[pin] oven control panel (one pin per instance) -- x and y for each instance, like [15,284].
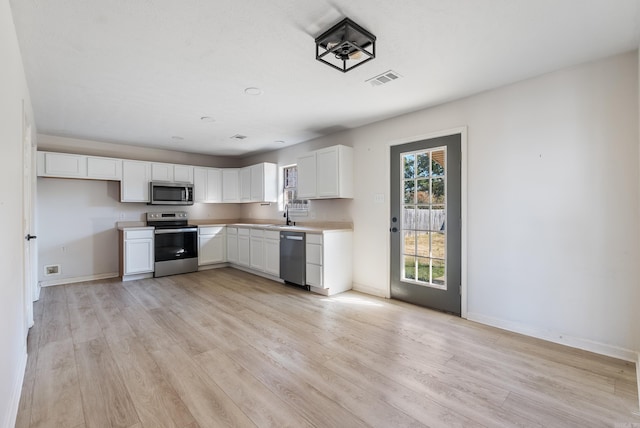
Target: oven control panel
[177,215]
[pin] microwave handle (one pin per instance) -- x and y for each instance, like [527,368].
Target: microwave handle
[186,193]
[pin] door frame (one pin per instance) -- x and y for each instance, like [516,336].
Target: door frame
[462,130]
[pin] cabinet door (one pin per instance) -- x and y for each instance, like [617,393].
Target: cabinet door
[138,256]
[307,176]
[214,185]
[232,246]
[162,172]
[63,165]
[272,256]
[183,173]
[134,186]
[104,168]
[244,251]
[327,173]
[200,184]
[231,185]
[257,183]
[245,184]
[257,253]
[314,275]
[211,249]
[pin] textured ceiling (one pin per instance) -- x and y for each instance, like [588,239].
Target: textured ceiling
[144,72]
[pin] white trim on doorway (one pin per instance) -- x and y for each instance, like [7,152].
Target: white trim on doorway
[462,130]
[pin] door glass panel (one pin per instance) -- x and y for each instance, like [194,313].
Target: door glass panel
[408,218]
[438,274]
[409,264]
[423,164]
[437,189]
[423,270]
[409,243]
[422,217]
[409,166]
[438,216]
[424,213]
[437,245]
[422,244]
[409,191]
[422,194]
[437,163]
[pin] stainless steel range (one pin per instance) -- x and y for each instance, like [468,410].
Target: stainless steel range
[175,243]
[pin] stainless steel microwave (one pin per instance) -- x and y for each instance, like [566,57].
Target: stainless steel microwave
[170,193]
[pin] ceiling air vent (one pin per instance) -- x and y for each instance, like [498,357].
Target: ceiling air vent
[238,137]
[381,79]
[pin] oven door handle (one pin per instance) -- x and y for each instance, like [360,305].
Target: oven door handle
[164,231]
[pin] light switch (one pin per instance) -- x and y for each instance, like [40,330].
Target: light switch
[378,198]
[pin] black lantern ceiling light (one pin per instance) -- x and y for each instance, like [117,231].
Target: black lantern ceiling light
[345,46]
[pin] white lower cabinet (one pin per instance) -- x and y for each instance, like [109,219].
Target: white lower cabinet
[329,267]
[212,246]
[256,258]
[244,247]
[232,244]
[272,252]
[136,252]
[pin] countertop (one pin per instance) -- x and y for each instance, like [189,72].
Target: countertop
[245,223]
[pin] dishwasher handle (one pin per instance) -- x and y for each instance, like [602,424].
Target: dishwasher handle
[293,238]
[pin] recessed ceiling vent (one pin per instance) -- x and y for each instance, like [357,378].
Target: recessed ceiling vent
[381,79]
[238,137]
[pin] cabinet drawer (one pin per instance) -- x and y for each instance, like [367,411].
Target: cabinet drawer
[314,253]
[211,230]
[232,231]
[314,275]
[244,232]
[258,233]
[272,234]
[314,238]
[138,234]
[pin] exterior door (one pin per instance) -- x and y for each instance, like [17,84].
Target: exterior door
[426,223]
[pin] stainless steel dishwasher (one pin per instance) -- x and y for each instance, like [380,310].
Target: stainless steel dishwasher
[292,258]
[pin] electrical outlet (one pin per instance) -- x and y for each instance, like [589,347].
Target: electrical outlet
[52,270]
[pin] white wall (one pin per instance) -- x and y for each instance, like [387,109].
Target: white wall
[553,202]
[52,143]
[77,225]
[13,92]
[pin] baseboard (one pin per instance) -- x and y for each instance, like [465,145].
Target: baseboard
[370,290]
[555,337]
[213,266]
[61,281]
[12,413]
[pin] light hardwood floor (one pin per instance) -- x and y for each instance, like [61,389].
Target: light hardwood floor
[226,348]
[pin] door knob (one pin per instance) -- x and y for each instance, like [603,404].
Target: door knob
[29,237]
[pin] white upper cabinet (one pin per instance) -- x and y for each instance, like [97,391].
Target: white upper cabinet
[171,172]
[134,186]
[65,165]
[62,165]
[326,173]
[255,183]
[231,185]
[245,184]
[104,168]
[264,182]
[307,176]
[183,173]
[207,184]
